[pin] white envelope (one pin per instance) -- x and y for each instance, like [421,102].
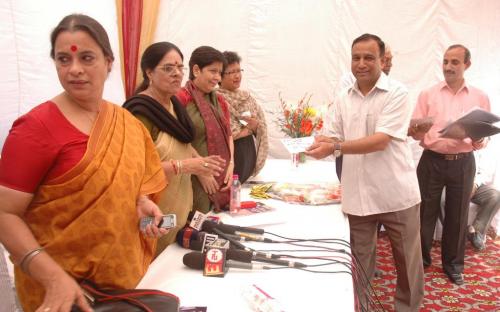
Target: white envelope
[297,145]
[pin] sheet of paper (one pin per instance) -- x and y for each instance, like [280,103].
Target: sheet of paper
[297,145]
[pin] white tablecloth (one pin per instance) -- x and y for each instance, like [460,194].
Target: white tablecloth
[295,290]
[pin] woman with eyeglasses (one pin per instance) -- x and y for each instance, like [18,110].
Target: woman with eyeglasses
[210,115]
[172,131]
[248,123]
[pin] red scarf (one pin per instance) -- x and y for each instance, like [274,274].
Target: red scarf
[217,133]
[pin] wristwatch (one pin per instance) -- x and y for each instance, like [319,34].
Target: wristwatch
[337,150]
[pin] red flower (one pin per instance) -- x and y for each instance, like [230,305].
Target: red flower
[306,127]
[320,125]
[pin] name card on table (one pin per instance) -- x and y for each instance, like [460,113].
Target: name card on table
[297,145]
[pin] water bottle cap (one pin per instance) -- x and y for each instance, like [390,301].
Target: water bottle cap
[235,177]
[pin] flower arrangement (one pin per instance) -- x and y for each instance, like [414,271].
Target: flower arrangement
[300,120]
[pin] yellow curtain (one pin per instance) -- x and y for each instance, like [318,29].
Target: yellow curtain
[150,10]
[119,10]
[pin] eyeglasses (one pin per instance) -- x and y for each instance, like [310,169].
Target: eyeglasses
[214,72]
[234,72]
[170,68]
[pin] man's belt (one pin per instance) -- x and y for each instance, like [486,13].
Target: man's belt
[448,156]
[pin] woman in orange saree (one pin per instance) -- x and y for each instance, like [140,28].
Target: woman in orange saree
[76,175]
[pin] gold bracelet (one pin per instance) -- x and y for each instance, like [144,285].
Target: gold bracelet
[179,163]
[27,258]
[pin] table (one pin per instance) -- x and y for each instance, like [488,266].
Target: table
[294,290]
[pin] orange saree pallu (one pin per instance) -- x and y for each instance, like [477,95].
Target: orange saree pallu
[87,219]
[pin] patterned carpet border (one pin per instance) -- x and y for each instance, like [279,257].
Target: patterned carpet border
[479,293]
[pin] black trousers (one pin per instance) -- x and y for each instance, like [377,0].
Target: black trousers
[434,173]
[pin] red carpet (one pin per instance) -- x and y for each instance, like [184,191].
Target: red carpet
[480,292]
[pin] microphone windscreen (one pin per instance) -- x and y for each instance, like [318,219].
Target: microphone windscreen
[194,260]
[208,226]
[196,245]
[239,255]
[188,238]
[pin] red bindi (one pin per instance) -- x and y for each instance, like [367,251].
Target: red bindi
[73,48]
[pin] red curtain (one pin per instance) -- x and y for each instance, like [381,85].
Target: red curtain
[131,35]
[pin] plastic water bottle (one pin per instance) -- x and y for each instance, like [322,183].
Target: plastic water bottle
[235,204]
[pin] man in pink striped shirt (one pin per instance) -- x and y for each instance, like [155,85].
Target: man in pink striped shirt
[447,162]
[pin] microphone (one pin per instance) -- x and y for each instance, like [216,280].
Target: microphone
[192,239]
[196,260]
[248,237]
[210,228]
[231,229]
[248,257]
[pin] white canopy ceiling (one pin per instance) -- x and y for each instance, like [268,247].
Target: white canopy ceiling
[292,47]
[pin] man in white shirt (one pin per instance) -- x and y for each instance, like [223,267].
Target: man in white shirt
[348,79]
[370,123]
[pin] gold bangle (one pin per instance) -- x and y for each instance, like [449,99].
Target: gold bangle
[27,258]
[179,162]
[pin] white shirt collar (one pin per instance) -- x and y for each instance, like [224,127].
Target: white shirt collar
[381,84]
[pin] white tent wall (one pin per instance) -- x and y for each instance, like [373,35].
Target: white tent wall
[28,76]
[293,47]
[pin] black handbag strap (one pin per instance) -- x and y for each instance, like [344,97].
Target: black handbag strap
[103,296]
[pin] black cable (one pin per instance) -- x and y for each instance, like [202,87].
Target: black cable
[361,281]
[289,239]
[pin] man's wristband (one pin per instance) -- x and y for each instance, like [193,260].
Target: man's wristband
[337,149]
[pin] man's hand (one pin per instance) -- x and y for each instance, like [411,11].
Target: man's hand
[479,144]
[322,147]
[419,127]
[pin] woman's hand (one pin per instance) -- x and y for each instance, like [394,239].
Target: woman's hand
[61,292]
[145,208]
[228,179]
[208,166]
[252,123]
[209,184]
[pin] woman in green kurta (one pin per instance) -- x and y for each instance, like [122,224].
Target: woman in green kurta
[172,131]
[210,115]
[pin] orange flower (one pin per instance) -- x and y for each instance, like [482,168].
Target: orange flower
[320,125]
[300,120]
[306,127]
